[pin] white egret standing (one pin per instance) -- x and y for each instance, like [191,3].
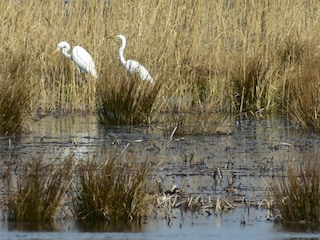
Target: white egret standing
[79,56]
[132,66]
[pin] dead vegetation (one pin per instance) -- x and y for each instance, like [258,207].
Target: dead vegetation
[208,59]
[214,56]
[297,194]
[113,190]
[119,188]
[35,190]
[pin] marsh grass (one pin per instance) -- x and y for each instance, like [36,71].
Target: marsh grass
[114,190]
[297,195]
[15,94]
[249,83]
[248,55]
[128,101]
[39,190]
[117,189]
[303,94]
[13,107]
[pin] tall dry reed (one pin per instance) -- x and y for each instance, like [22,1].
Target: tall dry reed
[230,56]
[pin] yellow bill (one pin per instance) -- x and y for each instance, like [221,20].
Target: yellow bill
[55,51]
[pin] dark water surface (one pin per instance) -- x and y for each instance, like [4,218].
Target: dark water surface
[257,151]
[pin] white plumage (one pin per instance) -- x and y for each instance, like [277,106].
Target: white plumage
[79,56]
[132,66]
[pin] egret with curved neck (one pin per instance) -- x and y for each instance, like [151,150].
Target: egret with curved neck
[79,56]
[132,66]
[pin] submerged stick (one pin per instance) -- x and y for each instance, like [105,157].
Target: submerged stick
[173,132]
[125,148]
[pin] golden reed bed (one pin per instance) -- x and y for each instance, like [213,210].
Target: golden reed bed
[206,56]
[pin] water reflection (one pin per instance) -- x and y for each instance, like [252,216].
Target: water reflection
[248,159]
[81,226]
[300,227]
[36,227]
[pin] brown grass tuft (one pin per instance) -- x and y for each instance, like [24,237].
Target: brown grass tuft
[249,81]
[39,190]
[303,87]
[297,195]
[15,96]
[114,190]
[128,101]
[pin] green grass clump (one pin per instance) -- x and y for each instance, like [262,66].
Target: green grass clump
[114,190]
[297,196]
[39,190]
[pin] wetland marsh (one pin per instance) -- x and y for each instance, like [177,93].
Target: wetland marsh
[206,127]
[248,159]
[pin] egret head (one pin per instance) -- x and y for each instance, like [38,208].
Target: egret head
[120,37]
[62,45]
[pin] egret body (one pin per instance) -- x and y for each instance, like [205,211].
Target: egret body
[132,66]
[79,56]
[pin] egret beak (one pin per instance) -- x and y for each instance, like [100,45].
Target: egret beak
[55,51]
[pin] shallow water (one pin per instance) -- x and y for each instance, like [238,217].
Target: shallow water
[248,158]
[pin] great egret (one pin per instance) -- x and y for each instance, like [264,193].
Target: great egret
[79,56]
[132,66]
